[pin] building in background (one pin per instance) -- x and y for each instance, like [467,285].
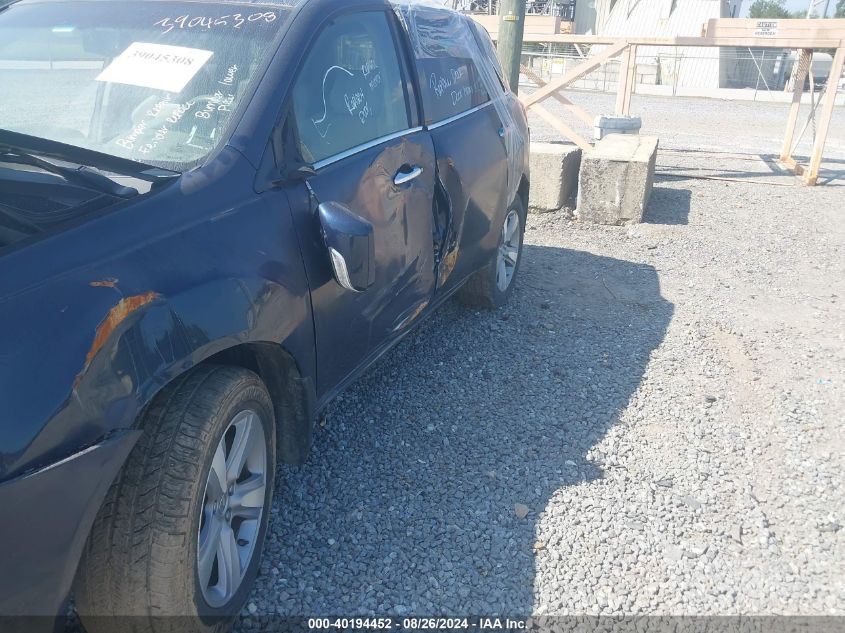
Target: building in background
[660,18]
[681,66]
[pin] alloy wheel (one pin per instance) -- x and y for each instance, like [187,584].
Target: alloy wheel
[509,244]
[233,506]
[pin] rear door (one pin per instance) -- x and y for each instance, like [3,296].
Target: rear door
[355,122]
[468,137]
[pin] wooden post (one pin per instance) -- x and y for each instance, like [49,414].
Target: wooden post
[632,80]
[511,32]
[798,76]
[828,102]
[627,78]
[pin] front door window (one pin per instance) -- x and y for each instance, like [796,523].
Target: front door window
[350,89]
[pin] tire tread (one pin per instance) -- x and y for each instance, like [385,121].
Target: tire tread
[127,567]
[480,289]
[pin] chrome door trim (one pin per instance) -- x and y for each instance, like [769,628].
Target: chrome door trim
[363,147]
[320,164]
[457,117]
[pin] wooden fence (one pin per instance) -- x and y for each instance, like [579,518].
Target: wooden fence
[804,35]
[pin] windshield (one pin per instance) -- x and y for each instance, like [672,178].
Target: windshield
[155,82]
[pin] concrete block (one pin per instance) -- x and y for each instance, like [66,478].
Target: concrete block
[616,179]
[554,175]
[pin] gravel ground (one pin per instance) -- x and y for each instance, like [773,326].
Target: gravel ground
[653,425]
[690,123]
[710,137]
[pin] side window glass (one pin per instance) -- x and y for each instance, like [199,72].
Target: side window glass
[489,50]
[450,86]
[350,90]
[445,49]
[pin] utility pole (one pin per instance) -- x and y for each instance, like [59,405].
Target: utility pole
[812,6]
[511,32]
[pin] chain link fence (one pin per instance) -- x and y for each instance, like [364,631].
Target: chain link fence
[564,9]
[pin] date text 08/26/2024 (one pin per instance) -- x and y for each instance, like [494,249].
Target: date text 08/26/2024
[417,624]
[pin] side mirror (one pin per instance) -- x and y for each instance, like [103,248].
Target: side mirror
[349,239]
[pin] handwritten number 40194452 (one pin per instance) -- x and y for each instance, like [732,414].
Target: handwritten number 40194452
[235,21]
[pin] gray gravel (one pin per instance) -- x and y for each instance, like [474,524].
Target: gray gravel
[653,425]
[705,124]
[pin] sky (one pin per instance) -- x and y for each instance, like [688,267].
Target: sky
[795,5]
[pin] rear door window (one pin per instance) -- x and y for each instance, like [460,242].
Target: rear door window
[450,86]
[488,49]
[445,49]
[350,90]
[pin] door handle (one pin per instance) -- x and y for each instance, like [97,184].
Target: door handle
[403,177]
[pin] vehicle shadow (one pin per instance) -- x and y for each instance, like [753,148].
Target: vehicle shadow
[668,206]
[407,503]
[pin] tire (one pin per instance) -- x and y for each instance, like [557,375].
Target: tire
[484,288]
[141,558]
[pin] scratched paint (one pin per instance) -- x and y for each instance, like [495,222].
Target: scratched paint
[117,315]
[448,265]
[104,283]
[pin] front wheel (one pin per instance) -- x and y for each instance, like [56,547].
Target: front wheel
[182,527]
[491,287]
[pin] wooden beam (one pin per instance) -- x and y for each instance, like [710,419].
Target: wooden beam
[622,86]
[740,42]
[632,79]
[627,79]
[828,101]
[802,68]
[575,73]
[562,127]
[794,165]
[575,109]
[768,28]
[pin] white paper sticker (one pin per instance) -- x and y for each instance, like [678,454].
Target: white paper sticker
[766,28]
[156,66]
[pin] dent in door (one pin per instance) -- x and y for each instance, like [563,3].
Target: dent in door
[473,168]
[399,215]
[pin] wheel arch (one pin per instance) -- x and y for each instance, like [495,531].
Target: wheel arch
[293,399]
[198,330]
[524,191]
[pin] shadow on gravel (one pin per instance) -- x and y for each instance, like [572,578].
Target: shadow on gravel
[668,206]
[831,172]
[764,169]
[407,503]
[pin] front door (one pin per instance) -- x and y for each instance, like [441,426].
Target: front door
[355,124]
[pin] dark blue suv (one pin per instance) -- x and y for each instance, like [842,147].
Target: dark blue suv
[213,217]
